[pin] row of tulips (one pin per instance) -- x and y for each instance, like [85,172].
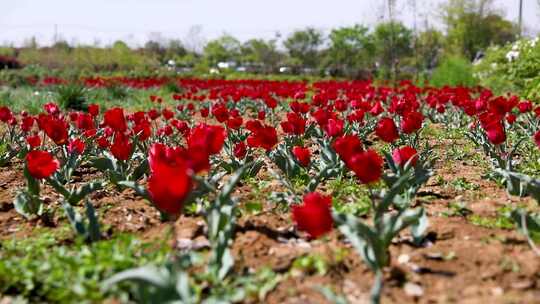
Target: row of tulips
[200,144]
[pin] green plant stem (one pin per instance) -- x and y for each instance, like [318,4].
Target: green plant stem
[527,235]
[377,287]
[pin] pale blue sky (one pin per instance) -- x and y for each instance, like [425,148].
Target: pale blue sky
[137,20]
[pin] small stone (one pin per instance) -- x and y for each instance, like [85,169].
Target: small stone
[446,235]
[413,290]
[434,256]
[304,245]
[497,291]
[184,243]
[403,259]
[522,285]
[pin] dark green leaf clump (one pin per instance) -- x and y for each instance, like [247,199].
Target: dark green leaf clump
[72,97]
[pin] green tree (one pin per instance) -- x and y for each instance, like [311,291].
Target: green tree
[393,42]
[474,25]
[155,49]
[176,48]
[429,44]
[351,51]
[259,51]
[221,49]
[303,47]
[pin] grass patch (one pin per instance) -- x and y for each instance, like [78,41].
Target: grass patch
[40,269]
[350,197]
[501,221]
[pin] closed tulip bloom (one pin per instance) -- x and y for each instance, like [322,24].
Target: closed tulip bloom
[303,155]
[76,146]
[207,137]
[537,139]
[386,130]
[240,150]
[402,155]
[367,166]
[314,215]
[115,119]
[334,127]
[495,132]
[411,122]
[347,146]
[41,164]
[262,136]
[169,183]
[121,147]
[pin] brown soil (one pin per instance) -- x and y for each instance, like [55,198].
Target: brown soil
[461,263]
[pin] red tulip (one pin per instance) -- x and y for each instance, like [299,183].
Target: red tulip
[55,128]
[114,118]
[143,130]
[270,102]
[5,114]
[511,118]
[537,139]
[495,132]
[90,133]
[27,123]
[356,116]
[314,215]
[402,155]
[76,146]
[411,122]
[165,131]
[294,124]
[207,137]
[261,135]
[153,114]
[347,146]
[167,114]
[205,112]
[103,142]
[376,109]
[33,141]
[537,111]
[240,150]
[303,155]
[85,121]
[220,112]
[367,166]
[73,116]
[525,106]
[182,127]
[386,130]
[93,110]
[41,164]
[121,147]
[235,123]
[169,183]
[51,108]
[334,127]
[299,107]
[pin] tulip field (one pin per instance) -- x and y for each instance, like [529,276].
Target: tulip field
[261,191]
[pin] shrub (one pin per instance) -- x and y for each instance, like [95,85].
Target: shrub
[453,71]
[514,67]
[72,97]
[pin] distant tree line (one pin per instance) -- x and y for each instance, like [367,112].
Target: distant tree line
[388,50]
